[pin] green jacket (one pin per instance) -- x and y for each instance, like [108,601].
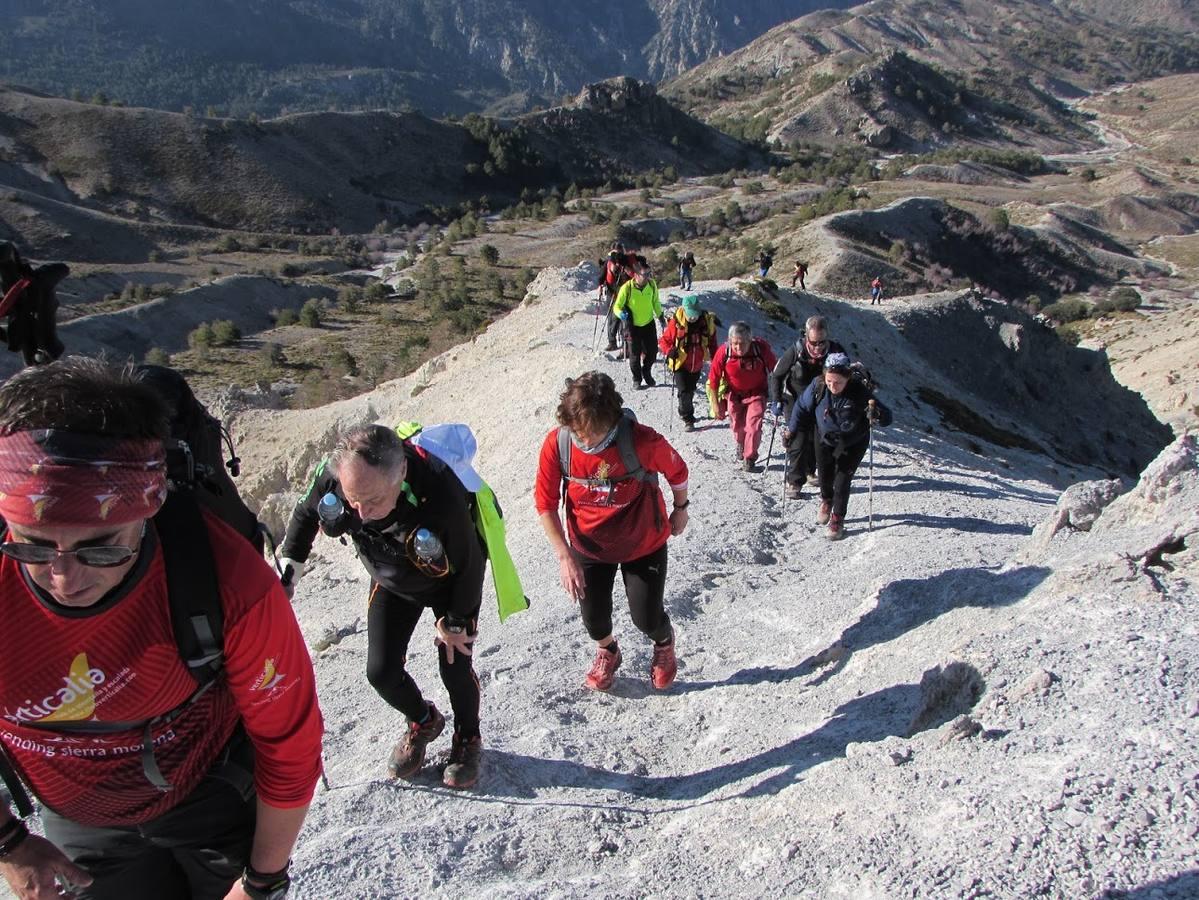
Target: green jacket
[642,303]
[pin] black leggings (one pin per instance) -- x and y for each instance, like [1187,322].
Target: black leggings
[836,468]
[390,621]
[643,350]
[194,850]
[685,384]
[644,584]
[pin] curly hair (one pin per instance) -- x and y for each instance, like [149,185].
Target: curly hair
[590,402]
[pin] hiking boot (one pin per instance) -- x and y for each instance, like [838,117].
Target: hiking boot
[649,380]
[409,754]
[603,670]
[794,491]
[826,509]
[836,527]
[610,348]
[462,769]
[664,666]
[688,426]
[639,386]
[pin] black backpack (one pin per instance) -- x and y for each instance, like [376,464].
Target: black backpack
[198,478]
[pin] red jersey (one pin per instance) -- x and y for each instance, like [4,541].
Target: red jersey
[745,375]
[612,521]
[118,662]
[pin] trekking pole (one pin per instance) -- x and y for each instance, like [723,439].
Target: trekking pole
[670,408]
[770,447]
[870,439]
[599,304]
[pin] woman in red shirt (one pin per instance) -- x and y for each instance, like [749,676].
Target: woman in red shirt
[615,517]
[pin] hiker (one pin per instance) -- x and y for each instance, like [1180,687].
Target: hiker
[686,266]
[876,291]
[149,786]
[615,270]
[800,273]
[615,518]
[764,261]
[838,406]
[802,361]
[738,379]
[29,305]
[409,517]
[688,339]
[638,305]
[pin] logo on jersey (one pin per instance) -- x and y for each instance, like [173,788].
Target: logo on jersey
[270,677]
[75,701]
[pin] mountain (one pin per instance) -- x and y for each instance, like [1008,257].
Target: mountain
[912,74]
[441,56]
[72,167]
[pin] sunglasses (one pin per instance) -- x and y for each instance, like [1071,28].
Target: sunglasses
[102,557]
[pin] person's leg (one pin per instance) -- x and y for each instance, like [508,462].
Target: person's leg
[685,384]
[825,467]
[755,412]
[645,586]
[123,864]
[390,621]
[595,606]
[462,684]
[736,412]
[847,463]
[611,322]
[647,349]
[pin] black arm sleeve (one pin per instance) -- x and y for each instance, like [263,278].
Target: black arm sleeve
[779,374]
[304,524]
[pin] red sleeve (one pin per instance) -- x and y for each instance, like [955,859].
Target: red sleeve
[548,491]
[666,342]
[717,367]
[657,455]
[270,676]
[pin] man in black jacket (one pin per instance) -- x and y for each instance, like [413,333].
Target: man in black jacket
[794,371]
[409,517]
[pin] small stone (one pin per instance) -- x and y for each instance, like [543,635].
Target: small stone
[1192,708]
[1074,817]
[1037,682]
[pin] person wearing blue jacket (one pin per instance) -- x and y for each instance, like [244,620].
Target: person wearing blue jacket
[842,409]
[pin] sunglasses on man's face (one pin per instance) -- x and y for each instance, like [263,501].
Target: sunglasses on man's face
[99,557]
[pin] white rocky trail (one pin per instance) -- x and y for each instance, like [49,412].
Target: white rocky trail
[813,745]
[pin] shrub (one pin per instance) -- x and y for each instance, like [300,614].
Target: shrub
[1088,174]
[224,333]
[156,356]
[200,337]
[489,254]
[286,317]
[1124,299]
[310,313]
[272,354]
[998,219]
[1069,334]
[1068,310]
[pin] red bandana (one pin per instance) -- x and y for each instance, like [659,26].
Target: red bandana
[51,477]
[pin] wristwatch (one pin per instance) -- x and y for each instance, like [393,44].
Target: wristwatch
[454,625]
[276,887]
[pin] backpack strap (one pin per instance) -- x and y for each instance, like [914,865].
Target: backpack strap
[192,589]
[628,453]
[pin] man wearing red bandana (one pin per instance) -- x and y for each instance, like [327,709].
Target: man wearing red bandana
[205,791]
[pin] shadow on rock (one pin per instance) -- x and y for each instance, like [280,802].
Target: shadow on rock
[1183,886]
[865,719]
[967,524]
[902,606]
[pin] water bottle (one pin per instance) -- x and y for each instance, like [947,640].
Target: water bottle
[332,514]
[430,552]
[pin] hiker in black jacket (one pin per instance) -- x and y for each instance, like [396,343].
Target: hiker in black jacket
[842,409]
[794,371]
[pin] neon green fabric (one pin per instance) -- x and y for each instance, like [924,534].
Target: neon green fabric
[509,594]
[642,302]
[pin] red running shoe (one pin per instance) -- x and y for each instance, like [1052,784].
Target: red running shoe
[603,670]
[665,665]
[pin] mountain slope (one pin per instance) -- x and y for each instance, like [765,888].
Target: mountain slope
[1004,58]
[272,56]
[318,171]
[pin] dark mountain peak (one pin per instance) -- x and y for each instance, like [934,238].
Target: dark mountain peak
[615,94]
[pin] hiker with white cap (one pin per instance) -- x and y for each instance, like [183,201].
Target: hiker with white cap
[406,507]
[688,339]
[842,408]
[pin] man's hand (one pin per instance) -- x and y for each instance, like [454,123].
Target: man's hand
[678,521]
[290,573]
[776,408]
[457,639]
[31,869]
